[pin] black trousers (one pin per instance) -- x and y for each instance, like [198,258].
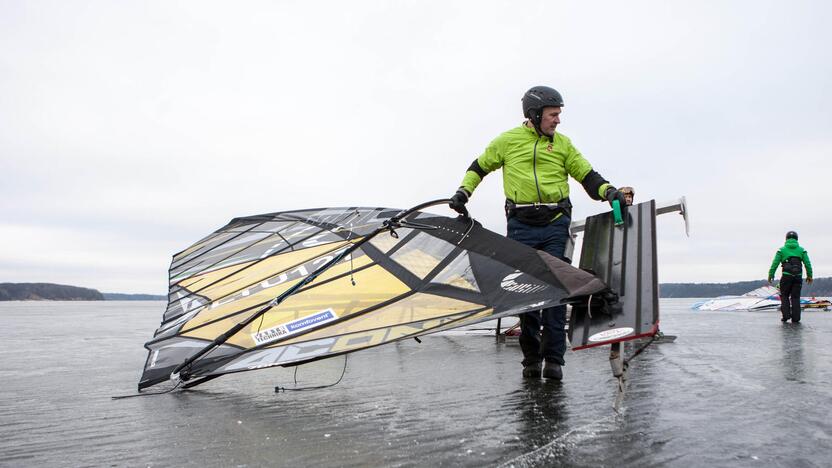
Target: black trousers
[552,240]
[790,297]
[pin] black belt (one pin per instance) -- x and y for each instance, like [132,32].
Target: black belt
[538,214]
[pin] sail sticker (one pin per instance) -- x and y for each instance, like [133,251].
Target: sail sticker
[271,334]
[607,335]
[509,284]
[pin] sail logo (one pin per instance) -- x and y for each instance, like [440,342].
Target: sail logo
[297,273]
[607,335]
[274,333]
[510,283]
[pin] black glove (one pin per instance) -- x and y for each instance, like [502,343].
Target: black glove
[458,201]
[613,193]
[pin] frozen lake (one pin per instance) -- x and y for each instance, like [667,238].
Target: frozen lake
[735,389]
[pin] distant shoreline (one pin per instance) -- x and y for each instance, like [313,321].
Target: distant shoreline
[822,287]
[133,297]
[62,292]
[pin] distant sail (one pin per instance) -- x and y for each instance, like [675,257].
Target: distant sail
[348,279]
[762,298]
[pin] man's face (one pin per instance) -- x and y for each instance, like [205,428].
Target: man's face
[549,120]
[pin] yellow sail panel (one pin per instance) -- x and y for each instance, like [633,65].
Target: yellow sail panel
[247,274]
[263,292]
[210,332]
[235,304]
[416,308]
[373,286]
[366,339]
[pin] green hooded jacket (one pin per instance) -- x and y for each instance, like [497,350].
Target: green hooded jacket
[535,168]
[790,249]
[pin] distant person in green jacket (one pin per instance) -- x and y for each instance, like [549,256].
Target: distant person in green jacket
[537,163]
[792,257]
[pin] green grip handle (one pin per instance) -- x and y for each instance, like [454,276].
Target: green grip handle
[616,212]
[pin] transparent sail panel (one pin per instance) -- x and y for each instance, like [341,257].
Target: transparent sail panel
[422,254]
[459,274]
[385,242]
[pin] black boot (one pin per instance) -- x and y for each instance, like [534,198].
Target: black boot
[552,370]
[532,371]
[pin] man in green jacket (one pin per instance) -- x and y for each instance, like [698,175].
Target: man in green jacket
[536,163]
[792,257]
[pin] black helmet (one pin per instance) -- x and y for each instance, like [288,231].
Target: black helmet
[791,235]
[535,100]
[539,97]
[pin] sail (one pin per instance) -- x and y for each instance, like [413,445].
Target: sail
[347,279]
[763,298]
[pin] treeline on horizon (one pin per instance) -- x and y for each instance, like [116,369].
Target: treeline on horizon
[62,292]
[820,287]
[58,292]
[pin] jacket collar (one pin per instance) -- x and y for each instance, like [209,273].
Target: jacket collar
[532,132]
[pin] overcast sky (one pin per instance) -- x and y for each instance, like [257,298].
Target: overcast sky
[129,130]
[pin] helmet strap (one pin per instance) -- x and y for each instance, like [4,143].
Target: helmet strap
[535,118]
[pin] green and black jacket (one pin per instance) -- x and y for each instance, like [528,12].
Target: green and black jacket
[789,250]
[535,168]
